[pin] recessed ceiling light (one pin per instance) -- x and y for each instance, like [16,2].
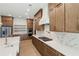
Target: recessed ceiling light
[9,15]
[26,13]
[20,16]
[28,10]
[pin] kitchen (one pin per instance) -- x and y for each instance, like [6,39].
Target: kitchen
[48,30]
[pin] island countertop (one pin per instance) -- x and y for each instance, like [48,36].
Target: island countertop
[12,47]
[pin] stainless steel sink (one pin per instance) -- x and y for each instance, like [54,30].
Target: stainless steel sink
[45,38]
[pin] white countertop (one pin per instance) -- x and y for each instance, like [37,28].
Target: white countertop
[12,47]
[64,49]
[8,51]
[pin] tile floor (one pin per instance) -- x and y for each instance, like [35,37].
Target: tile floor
[27,49]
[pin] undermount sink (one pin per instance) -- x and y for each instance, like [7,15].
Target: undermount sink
[45,38]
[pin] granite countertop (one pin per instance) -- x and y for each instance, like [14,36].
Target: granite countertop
[64,49]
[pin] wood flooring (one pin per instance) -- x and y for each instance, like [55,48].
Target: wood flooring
[28,49]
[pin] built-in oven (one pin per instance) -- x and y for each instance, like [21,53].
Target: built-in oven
[30,31]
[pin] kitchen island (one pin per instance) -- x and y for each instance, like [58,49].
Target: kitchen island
[12,46]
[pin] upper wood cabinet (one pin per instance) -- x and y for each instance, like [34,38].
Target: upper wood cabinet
[64,17]
[59,17]
[52,15]
[72,17]
[30,23]
[56,15]
[38,17]
[52,18]
[52,5]
[7,20]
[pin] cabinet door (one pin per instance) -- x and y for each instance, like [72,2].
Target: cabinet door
[52,15]
[40,46]
[50,51]
[30,23]
[71,11]
[7,21]
[34,41]
[52,19]
[60,17]
[77,6]
[52,5]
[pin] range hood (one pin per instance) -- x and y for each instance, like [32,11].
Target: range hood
[45,16]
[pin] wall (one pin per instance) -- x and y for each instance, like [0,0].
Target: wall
[46,27]
[19,26]
[19,21]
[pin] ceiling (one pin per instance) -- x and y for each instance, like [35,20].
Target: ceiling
[20,10]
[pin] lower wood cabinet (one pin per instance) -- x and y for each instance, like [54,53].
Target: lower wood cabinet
[44,49]
[52,52]
[39,45]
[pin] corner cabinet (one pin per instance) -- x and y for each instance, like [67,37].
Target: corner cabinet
[44,49]
[64,17]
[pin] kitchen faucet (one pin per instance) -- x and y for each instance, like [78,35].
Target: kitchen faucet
[5,36]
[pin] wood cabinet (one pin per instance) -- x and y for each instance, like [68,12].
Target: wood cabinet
[52,5]
[59,18]
[39,45]
[52,18]
[38,17]
[30,23]
[72,17]
[50,52]
[52,15]
[7,20]
[56,15]
[44,49]
[64,17]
